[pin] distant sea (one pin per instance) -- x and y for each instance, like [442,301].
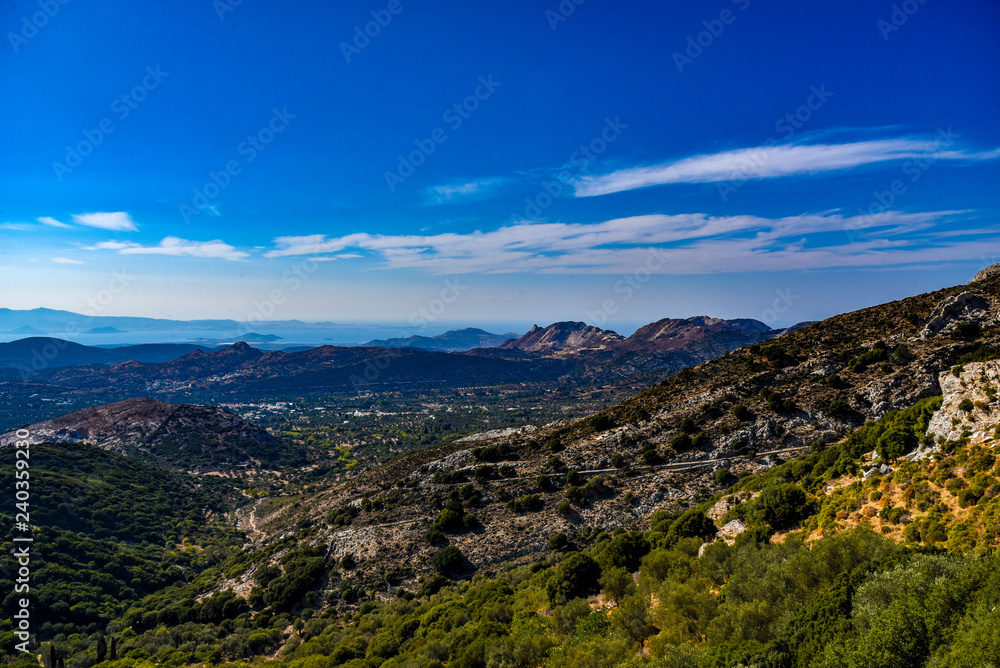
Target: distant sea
[338,335]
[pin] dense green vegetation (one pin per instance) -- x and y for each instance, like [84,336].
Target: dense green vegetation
[110,530]
[855,599]
[852,598]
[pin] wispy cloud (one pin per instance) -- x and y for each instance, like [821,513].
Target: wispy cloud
[18,227]
[461,191]
[52,222]
[174,246]
[66,260]
[117,221]
[333,258]
[765,162]
[686,244]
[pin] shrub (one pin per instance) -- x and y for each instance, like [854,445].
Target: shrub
[895,442]
[681,442]
[966,405]
[783,505]
[625,550]
[724,478]
[692,524]
[448,519]
[576,576]
[574,494]
[602,422]
[741,412]
[526,503]
[966,330]
[558,541]
[447,560]
[866,359]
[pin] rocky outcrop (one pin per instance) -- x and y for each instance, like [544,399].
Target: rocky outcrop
[988,272]
[966,307]
[971,402]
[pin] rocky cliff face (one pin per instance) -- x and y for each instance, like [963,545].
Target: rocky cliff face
[971,402]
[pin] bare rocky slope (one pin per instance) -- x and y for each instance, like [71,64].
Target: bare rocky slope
[565,336]
[174,436]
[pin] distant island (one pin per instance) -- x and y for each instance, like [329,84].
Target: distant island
[455,340]
[27,329]
[105,330]
[249,337]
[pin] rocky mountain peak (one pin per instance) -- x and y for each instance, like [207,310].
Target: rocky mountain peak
[988,272]
[565,336]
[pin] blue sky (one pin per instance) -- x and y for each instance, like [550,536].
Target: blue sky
[530,161]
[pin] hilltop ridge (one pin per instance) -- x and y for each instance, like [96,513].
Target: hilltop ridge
[174,436]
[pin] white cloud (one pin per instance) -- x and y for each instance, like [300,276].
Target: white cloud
[117,221]
[19,227]
[333,258]
[686,243]
[174,246]
[775,161]
[111,245]
[66,260]
[47,220]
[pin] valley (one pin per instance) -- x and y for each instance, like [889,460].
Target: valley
[294,509]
